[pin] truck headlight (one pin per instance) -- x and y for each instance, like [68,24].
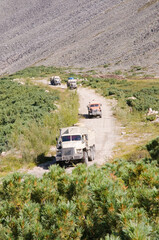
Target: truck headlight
[79,151]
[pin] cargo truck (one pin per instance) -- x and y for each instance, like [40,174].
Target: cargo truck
[55,80]
[72,83]
[75,144]
[94,109]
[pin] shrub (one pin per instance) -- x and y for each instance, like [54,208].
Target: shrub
[146,94]
[39,71]
[34,139]
[117,201]
[20,105]
[151,117]
[153,148]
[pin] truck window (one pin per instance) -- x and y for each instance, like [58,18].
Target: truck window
[76,137]
[94,105]
[66,138]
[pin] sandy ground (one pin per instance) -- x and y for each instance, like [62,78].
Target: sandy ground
[106,129]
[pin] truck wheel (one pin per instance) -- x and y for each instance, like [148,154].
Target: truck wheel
[94,152]
[61,164]
[85,157]
[91,156]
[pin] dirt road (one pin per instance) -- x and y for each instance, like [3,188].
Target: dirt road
[106,129]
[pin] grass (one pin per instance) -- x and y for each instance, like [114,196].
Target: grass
[131,144]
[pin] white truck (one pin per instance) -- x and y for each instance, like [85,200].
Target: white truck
[74,144]
[72,83]
[55,80]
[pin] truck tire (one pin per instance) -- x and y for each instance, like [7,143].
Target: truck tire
[94,150]
[61,164]
[85,157]
[91,155]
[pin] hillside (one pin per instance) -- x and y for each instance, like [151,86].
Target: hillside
[79,33]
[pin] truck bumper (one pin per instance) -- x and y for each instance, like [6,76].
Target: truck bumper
[95,113]
[68,158]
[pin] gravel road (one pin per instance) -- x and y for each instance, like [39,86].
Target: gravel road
[106,129]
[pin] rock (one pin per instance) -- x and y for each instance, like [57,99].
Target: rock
[133,98]
[3,154]
[123,133]
[152,112]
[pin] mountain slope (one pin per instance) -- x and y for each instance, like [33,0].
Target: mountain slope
[79,33]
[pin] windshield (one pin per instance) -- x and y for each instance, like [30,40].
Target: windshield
[71,138]
[94,105]
[66,138]
[76,138]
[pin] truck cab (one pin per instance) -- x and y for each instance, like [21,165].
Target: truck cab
[94,109]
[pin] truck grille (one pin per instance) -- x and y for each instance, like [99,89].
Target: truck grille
[67,151]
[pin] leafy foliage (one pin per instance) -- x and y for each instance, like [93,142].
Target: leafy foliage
[38,71]
[117,201]
[153,148]
[21,104]
[145,95]
[34,140]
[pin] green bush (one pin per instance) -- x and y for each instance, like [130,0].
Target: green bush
[34,139]
[39,71]
[153,148]
[151,117]
[20,105]
[117,201]
[146,95]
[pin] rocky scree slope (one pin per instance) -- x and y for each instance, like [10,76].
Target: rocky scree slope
[79,33]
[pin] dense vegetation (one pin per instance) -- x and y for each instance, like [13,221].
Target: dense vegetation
[32,72]
[20,105]
[40,72]
[30,116]
[145,93]
[117,201]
